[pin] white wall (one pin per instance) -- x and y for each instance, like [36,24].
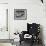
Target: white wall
[3,1]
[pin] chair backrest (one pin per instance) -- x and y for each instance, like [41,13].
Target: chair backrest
[33,28]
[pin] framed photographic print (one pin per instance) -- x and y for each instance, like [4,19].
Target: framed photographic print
[20,14]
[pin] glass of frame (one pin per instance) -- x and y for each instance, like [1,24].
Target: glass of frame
[20,14]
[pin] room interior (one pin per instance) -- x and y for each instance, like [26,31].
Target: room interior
[16,15]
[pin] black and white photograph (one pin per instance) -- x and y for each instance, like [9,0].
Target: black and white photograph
[22,22]
[20,14]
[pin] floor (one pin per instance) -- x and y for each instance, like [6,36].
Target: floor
[5,44]
[26,44]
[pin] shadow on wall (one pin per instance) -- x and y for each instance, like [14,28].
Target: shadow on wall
[41,34]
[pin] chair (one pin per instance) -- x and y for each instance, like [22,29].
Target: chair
[33,30]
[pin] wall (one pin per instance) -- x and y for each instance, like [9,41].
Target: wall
[3,1]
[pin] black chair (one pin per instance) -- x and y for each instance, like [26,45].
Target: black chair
[32,29]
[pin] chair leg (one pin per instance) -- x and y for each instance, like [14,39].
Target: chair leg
[32,42]
[20,42]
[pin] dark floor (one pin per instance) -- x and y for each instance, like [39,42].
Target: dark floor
[27,44]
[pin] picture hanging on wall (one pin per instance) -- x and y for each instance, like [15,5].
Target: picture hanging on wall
[20,14]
